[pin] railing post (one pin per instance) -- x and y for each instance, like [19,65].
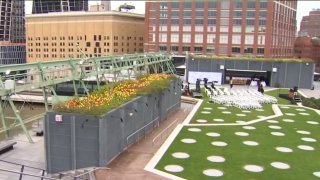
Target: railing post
[22,168]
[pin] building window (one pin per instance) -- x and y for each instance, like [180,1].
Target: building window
[263,14]
[199,29]
[174,28]
[223,39]
[225,4]
[249,39]
[263,5]
[212,13]
[187,13]
[260,50]
[236,39]
[174,21]
[187,5]
[211,29]
[223,50]
[198,38]
[250,22]
[162,37]
[211,22]
[248,50]
[251,14]
[250,29]
[163,48]
[235,49]
[236,28]
[175,14]
[186,38]
[175,38]
[261,40]
[199,21]
[237,22]
[211,38]
[224,28]
[224,22]
[212,4]
[199,4]
[251,4]
[162,28]
[187,21]
[238,4]
[224,13]
[199,14]
[186,28]
[175,5]
[186,48]
[197,49]
[174,48]
[262,22]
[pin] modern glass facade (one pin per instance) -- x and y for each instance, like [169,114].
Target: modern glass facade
[222,27]
[12,32]
[46,6]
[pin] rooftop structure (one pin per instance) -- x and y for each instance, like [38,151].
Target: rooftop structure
[46,6]
[12,32]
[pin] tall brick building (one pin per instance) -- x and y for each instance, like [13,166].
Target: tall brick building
[310,25]
[218,27]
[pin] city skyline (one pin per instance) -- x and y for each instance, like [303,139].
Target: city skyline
[304,7]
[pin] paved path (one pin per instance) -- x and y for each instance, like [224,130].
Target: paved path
[130,164]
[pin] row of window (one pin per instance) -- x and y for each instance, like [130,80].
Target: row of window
[95,38]
[223,13]
[247,50]
[97,52]
[223,21]
[235,29]
[211,38]
[250,4]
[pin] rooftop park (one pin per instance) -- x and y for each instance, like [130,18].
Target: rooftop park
[279,141]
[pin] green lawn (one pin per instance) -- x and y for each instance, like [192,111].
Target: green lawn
[296,120]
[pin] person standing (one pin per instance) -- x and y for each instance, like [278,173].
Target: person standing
[231,83]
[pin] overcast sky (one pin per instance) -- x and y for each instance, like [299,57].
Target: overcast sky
[303,7]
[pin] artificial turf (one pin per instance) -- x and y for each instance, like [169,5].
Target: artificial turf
[303,163]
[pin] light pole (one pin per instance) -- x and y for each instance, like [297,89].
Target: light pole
[187,67]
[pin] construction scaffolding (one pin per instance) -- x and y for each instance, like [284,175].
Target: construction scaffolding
[43,75]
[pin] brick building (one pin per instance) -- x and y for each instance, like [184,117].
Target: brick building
[307,47]
[217,27]
[56,36]
[310,25]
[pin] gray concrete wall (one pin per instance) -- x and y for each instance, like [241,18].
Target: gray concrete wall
[288,75]
[81,141]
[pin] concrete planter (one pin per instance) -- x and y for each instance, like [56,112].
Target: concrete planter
[79,141]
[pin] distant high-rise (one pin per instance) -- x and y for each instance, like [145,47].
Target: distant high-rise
[310,24]
[12,32]
[106,4]
[46,6]
[222,27]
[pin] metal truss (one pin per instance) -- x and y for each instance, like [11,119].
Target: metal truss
[43,75]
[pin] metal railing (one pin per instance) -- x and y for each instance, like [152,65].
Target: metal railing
[164,131]
[22,168]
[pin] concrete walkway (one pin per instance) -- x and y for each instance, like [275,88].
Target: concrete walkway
[130,164]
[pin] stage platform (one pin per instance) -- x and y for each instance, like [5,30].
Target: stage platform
[197,95]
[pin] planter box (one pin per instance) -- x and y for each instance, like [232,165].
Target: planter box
[74,141]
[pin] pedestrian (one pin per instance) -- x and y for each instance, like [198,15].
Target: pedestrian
[231,83]
[261,88]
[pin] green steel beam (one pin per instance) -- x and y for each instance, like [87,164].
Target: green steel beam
[46,74]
